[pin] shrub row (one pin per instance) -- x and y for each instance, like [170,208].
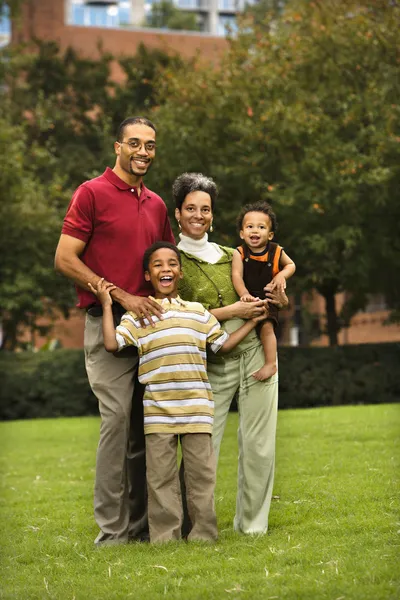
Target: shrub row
[44,384]
[359,374]
[52,384]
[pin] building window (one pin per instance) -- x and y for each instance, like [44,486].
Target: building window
[124,13]
[187,4]
[229,5]
[5,26]
[226,22]
[78,14]
[98,16]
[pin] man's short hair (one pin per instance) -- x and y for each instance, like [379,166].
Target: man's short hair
[157,246]
[133,121]
[260,206]
[187,183]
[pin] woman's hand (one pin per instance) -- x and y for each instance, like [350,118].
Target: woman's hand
[276,296]
[250,310]
[278,282]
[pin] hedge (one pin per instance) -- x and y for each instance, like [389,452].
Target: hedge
[359,374]
[52,384]
[44,384]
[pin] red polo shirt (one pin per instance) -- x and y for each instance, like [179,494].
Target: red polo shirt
[117,227]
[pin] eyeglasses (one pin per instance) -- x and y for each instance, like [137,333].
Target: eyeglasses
[135,144]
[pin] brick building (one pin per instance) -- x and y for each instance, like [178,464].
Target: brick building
[50,20]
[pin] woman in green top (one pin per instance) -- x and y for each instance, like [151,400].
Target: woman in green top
[207,279]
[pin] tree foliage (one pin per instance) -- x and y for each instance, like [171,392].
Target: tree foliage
[264,11]
[13,6]
[305,114]
[73,105]
[138,92]
[29,229]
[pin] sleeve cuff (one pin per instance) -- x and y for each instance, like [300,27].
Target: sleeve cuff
[120,341]
[219,342]
[79,235]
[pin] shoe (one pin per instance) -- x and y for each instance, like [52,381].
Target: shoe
[142,537]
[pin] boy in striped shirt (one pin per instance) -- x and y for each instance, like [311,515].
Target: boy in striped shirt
[178,398]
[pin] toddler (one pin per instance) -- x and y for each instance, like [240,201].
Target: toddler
[258,263]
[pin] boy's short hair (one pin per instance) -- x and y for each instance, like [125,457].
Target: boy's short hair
[157,246]
[187,183]
[260,206]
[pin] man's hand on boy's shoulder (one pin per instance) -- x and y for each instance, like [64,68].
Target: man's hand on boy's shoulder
[144,307]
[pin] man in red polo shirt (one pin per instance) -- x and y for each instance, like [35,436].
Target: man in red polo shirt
[110,222]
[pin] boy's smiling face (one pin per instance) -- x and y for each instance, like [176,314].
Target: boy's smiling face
[164,273]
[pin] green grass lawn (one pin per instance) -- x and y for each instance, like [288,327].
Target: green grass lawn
[334,523]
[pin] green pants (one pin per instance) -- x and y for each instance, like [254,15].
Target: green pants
[258,405]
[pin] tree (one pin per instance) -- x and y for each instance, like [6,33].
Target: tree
[138,94]
[29,229]
[306,116]
[48,141]
[76,110]
[264,10]
[59,98]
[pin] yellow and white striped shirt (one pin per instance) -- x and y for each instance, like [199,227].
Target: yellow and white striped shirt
[172,365]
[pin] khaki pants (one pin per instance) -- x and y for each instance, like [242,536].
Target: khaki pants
[165,502]
[120,498]
[257,404]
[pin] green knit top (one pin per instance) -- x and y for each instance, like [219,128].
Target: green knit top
[211,285]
